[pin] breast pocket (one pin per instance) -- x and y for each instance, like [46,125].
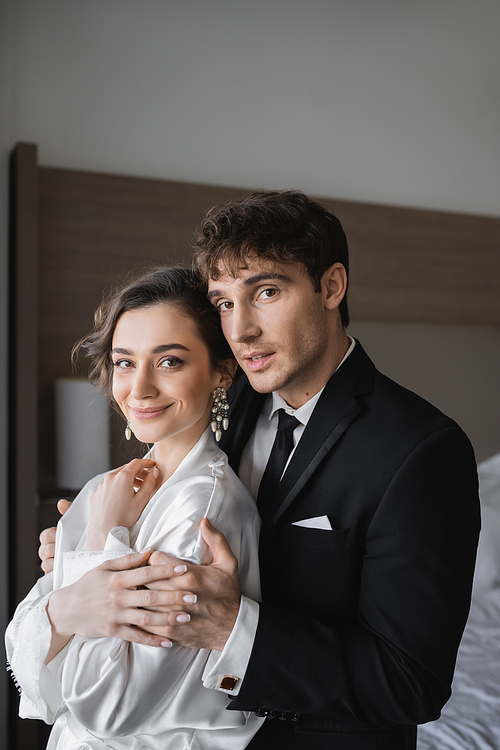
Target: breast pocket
[300,537]
[308,569]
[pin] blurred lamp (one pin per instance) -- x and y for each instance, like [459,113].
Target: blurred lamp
[82,431]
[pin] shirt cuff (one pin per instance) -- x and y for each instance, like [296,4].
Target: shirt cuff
[226,669]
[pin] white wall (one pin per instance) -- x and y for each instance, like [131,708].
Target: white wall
[387,101]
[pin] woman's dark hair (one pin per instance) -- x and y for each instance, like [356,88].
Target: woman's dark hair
[277,227]
[175,285]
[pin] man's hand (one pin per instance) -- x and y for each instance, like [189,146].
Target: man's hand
[48,539]
[208,621]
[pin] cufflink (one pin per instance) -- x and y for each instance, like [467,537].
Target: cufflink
[228,682]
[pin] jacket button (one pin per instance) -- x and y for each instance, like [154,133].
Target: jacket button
[273,714]
[261,712]
[296,717]
[284,715]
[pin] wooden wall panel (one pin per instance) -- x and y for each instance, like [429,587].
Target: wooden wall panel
[415,265]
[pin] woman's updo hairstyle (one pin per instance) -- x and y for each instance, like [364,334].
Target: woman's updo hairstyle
[174,285]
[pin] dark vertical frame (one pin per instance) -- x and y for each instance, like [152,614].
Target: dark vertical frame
[23,404]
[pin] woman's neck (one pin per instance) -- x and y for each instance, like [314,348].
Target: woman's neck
[170,453]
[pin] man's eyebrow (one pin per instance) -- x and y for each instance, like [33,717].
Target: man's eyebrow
[157,350]
[256,279]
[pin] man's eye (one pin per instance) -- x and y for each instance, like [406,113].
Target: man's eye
[268,293]
[225,306]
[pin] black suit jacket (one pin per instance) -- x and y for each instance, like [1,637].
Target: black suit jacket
[359,626]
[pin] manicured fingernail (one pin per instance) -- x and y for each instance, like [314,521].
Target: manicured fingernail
[180,568]
[190,598]
[155,472]
[166,644]
[146,549]
[183,618]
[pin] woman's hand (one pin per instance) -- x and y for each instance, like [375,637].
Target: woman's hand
[111,600]
[120,499]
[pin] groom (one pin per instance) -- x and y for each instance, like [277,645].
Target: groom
[368,498]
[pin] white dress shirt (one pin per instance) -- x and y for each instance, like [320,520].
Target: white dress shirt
[236,653]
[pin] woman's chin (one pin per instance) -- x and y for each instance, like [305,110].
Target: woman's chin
[146,436]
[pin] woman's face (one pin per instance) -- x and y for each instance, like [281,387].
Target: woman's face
[162,375]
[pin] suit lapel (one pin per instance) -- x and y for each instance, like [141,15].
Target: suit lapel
[336,409]
[333,414]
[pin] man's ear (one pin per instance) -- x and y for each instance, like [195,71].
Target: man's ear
[226,373]
[334,285]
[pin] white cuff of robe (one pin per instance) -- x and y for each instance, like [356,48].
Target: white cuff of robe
[49,693]
[76,564]
[232,662]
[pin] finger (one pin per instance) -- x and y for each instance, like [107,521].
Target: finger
[158,623]
[45,551]
[116,471]
[48,565]
[148,484]
[135,635]
[145,576]
[157,600]
[133,572]
[221,551]
[163,558]
[63,505]
[48,536]
[137,465]
[132,561]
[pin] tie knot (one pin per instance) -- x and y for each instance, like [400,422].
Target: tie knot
[286,422]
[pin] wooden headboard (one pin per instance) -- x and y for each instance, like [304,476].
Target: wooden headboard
[74,232]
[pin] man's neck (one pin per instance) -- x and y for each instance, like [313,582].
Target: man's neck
[297,394]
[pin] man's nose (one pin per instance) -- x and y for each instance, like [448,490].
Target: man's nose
[244,325]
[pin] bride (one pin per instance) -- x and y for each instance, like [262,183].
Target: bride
[157,349]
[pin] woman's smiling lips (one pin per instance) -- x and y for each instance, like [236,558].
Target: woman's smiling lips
[149,413]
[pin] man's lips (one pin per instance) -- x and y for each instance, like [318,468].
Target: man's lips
[149,413]
[256,360]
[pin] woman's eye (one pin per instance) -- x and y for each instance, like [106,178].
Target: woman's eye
[122,364]
[225,306]
[170,362]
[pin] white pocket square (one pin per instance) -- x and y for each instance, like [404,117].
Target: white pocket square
[320,522]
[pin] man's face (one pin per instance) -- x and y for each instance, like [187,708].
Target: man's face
[275,324]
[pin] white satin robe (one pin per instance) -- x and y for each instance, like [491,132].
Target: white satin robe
[108,693]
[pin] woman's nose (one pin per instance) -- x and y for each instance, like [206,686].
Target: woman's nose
[144,384]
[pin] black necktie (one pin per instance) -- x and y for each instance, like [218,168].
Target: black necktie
[269,498]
